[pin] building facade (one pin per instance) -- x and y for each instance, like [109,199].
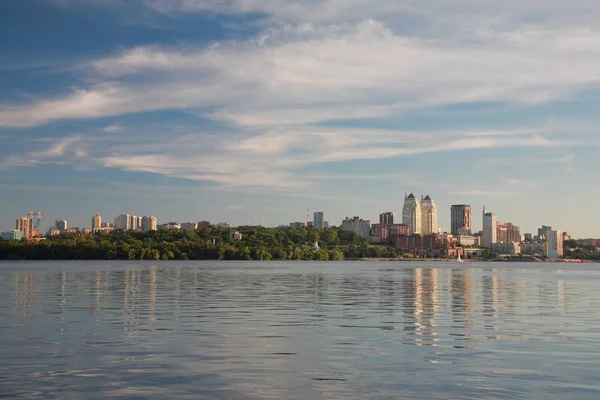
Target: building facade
[489,229]
[429,216]
[12,235]
[356,224]
[148,223]
[461,222]
[61,225]
[411,213]
[189,226]
[319,220]
[386,218]
[506,233]
[25,225]
[96,223]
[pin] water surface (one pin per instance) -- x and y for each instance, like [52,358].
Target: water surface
[276,330]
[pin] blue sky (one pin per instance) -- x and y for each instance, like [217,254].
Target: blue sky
[255,111]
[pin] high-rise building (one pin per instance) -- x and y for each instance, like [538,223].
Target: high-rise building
[554,241]
[96,223]
[489,228]
[461,219]
[386,218]
[25,225]
[411,213]
[148,223]
[358,225]
[61,225]
[429,216]
[122,221]
[318,219]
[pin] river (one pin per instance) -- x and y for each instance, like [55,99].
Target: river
[308,330]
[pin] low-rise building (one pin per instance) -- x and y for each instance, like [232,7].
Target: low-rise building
[426,245]
[237,236]
[467,240]
[189,226]
[172,225]
[507,248]
[14,234]
[297,225]
[533,248]
[202,224]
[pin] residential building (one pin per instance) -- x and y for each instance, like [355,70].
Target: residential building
[61,225]
[123,221]
[310,224]
[237,236]
[507,233]
[326,224]
[429,217]
[386,218]
[224,225]
[189,226]
[54,232]
[298,225]
[467,240]
[172,225]
[533,248]
[426,245]
[202,224]
[461,222]
[319,221]
[398,229]
[148,223]
[507,248]
[86,231]
[411,213]
[361,226]
[25,225]
[15,234]
[554,244]
[96,223]
[489,228]
[528,237]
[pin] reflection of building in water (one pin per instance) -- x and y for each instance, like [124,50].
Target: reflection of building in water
[24,292]
[461,293]
[131,302]
[425,305]
[153,293]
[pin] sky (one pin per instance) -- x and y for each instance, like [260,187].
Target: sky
[255,111]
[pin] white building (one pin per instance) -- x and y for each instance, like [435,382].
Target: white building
[123,221]
[148,223]
[411,213]
[173,225]
[489,229]
[358,225]
[554,245]
[429,216]
[319,220]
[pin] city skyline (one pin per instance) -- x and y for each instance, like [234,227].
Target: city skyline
[253,112]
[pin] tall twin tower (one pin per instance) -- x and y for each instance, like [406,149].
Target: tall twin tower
[421,217]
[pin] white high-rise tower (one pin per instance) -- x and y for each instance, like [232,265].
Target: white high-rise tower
[429,217]
[411,213]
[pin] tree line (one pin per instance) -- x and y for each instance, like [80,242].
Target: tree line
[206,243]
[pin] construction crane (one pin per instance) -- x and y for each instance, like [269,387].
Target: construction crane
[36,218]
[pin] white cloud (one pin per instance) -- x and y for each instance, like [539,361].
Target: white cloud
[300,74]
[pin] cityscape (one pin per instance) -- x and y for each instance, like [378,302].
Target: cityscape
[414,230]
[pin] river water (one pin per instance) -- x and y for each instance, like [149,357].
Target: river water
[276,330]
